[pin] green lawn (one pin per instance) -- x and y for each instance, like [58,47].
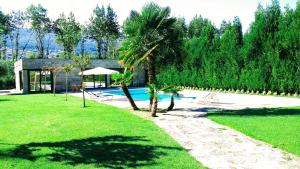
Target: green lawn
[43,131]
[278,126]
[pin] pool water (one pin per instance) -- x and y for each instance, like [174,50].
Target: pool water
[142,94]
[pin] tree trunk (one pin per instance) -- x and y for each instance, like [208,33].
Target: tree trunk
[82,48]
[48,46]
[11,37]
[26,44]
[99,43]
[40,46]
[45,80]
[83,96]
[0,48]
[154,107]
[170,108]
[105,49]
[127,94]
[47,51]
[68,51]
[54,84]
[66,86]
[151,77]
[42,50]
[4,45]
[17,46]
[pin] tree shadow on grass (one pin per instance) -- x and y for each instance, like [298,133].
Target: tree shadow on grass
[3,100]
[256,112]
[109,151]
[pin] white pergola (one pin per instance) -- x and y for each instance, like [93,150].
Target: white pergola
[99,71]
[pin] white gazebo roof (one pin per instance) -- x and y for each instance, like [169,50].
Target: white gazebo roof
[99,71]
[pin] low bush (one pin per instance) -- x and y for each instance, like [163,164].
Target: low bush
[7,78]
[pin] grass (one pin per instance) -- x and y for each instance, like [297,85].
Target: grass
[277,126]
[43,131]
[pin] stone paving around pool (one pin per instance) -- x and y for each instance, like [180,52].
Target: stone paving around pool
[215,145]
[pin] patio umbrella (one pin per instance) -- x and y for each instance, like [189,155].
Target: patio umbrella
[99,71]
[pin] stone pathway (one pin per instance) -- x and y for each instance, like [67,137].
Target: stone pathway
[217,146]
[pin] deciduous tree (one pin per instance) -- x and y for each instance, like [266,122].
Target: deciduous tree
[103,28]
[68,33]
[81,63]
[5,30]
[17,20]
[40,24]
[67,69]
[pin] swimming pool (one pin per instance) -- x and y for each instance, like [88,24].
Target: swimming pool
[141,94]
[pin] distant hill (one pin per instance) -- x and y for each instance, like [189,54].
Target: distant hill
[27,34]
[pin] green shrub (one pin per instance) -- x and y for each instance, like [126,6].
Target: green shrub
[32,55]
[7,78]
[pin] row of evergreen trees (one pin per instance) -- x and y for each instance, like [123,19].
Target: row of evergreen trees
[266,57]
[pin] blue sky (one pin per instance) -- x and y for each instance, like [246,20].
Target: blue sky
[215,10]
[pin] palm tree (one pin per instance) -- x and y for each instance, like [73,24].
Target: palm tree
[67,68]
[154,95]
[82,63]
[125,79]
[174,92]
[149,36]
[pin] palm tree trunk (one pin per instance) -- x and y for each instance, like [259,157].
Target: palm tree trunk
[170,108]
[127,94]
[151,77]
[154,107]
